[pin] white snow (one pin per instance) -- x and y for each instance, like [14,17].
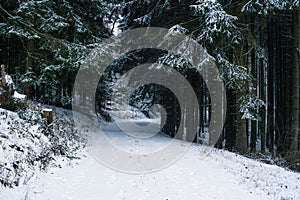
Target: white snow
[217,175]
[47,109]
[19,96]
[9,81]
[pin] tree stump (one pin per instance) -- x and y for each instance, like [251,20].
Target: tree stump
[9,98]
[6,90]
[48,115]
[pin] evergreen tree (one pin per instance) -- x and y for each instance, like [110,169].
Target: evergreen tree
[235,34]
[53,39]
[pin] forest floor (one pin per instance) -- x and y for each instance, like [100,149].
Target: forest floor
[217,175]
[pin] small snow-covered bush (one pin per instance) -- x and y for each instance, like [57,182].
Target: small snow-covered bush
[28,144]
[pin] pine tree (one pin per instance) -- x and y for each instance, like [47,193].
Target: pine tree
[54,38]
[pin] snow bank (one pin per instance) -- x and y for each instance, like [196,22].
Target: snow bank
[27,144]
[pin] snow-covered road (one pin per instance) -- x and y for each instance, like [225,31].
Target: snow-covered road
[189,178]
[219,175]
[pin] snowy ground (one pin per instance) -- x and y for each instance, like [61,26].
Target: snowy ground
[218,175]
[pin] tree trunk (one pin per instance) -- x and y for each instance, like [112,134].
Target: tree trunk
[293,153]
[241,124]
[3,79]
[230,128]
[29,89]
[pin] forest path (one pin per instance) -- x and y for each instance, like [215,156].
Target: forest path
[218,175]
[191,177]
